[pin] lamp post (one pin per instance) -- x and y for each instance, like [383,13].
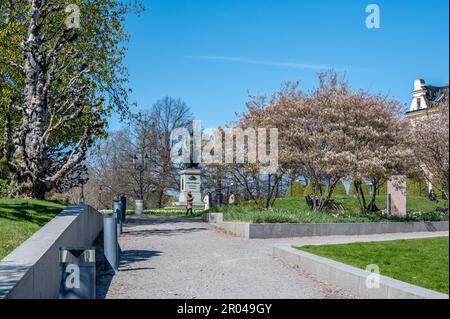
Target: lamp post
[140,166]
[84,176]
[100,190]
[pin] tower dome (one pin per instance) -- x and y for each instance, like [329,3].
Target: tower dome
[419,84]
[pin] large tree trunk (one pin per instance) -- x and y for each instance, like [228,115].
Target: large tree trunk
[7,147]
[30,180]
[161,198]
[376,184]
[360,196]
[329,195]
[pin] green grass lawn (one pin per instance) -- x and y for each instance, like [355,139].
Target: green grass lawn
[283,216]
[19,219]
[350,203]
[422,262]
[295,210]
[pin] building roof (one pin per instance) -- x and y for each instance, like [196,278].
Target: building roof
[436,93]
[431,94]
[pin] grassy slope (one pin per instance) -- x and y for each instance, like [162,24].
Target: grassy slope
[19,219]
[283,216]
[295,210]
[350,203]
[422,262]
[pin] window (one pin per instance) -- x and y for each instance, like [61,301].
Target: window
[419,103]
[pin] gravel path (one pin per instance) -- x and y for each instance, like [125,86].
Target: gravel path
[165,257]
[180,258]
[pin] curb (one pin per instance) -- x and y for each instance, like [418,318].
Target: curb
[290,230]
[352,279]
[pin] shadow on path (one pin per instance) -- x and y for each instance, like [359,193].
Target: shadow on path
[127,259]
[164,232]
[134,221]
[130,257]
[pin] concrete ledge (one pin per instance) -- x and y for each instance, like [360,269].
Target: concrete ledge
[262,231]
[213,218]
[238,229]
[352,279]
[31,271]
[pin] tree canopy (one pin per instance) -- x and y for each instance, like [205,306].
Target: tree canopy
[62,75]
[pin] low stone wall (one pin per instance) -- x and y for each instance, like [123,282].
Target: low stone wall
[352,279]
[238,229]
[212,217]
[262,231]
[31,271]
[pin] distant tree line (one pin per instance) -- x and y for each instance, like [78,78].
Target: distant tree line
[136,160]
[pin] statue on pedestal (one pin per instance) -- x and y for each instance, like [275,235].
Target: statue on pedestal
[190,179]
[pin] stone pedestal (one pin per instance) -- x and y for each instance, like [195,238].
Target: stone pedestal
[190,181]
[396,196]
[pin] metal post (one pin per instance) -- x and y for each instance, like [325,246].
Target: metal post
[111,247]
[117,209]
[82,200]
[123,200]
[389,205]
[100,192]
[141,187]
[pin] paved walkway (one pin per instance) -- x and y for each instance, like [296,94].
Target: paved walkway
[180,258]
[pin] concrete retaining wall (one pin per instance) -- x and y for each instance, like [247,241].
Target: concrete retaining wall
[261,231]
[212,218]
[32,270]
[352,279]
[238,229]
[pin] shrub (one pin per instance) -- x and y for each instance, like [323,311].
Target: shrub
[339,190]
[383,189]
[59,198]
[413,187]
[411,216]
[365,188]
[308,189]
[4,188]
[295,191]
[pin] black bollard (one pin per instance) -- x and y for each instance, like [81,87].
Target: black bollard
[123,200]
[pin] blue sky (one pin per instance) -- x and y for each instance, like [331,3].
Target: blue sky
[211,53]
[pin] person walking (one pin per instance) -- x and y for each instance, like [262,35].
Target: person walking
[231,199]
[189,204]
[207,200]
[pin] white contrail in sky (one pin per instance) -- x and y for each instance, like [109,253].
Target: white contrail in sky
[263,62]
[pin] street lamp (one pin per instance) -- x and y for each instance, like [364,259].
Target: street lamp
[140,167]
[84,176]
[100,190]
